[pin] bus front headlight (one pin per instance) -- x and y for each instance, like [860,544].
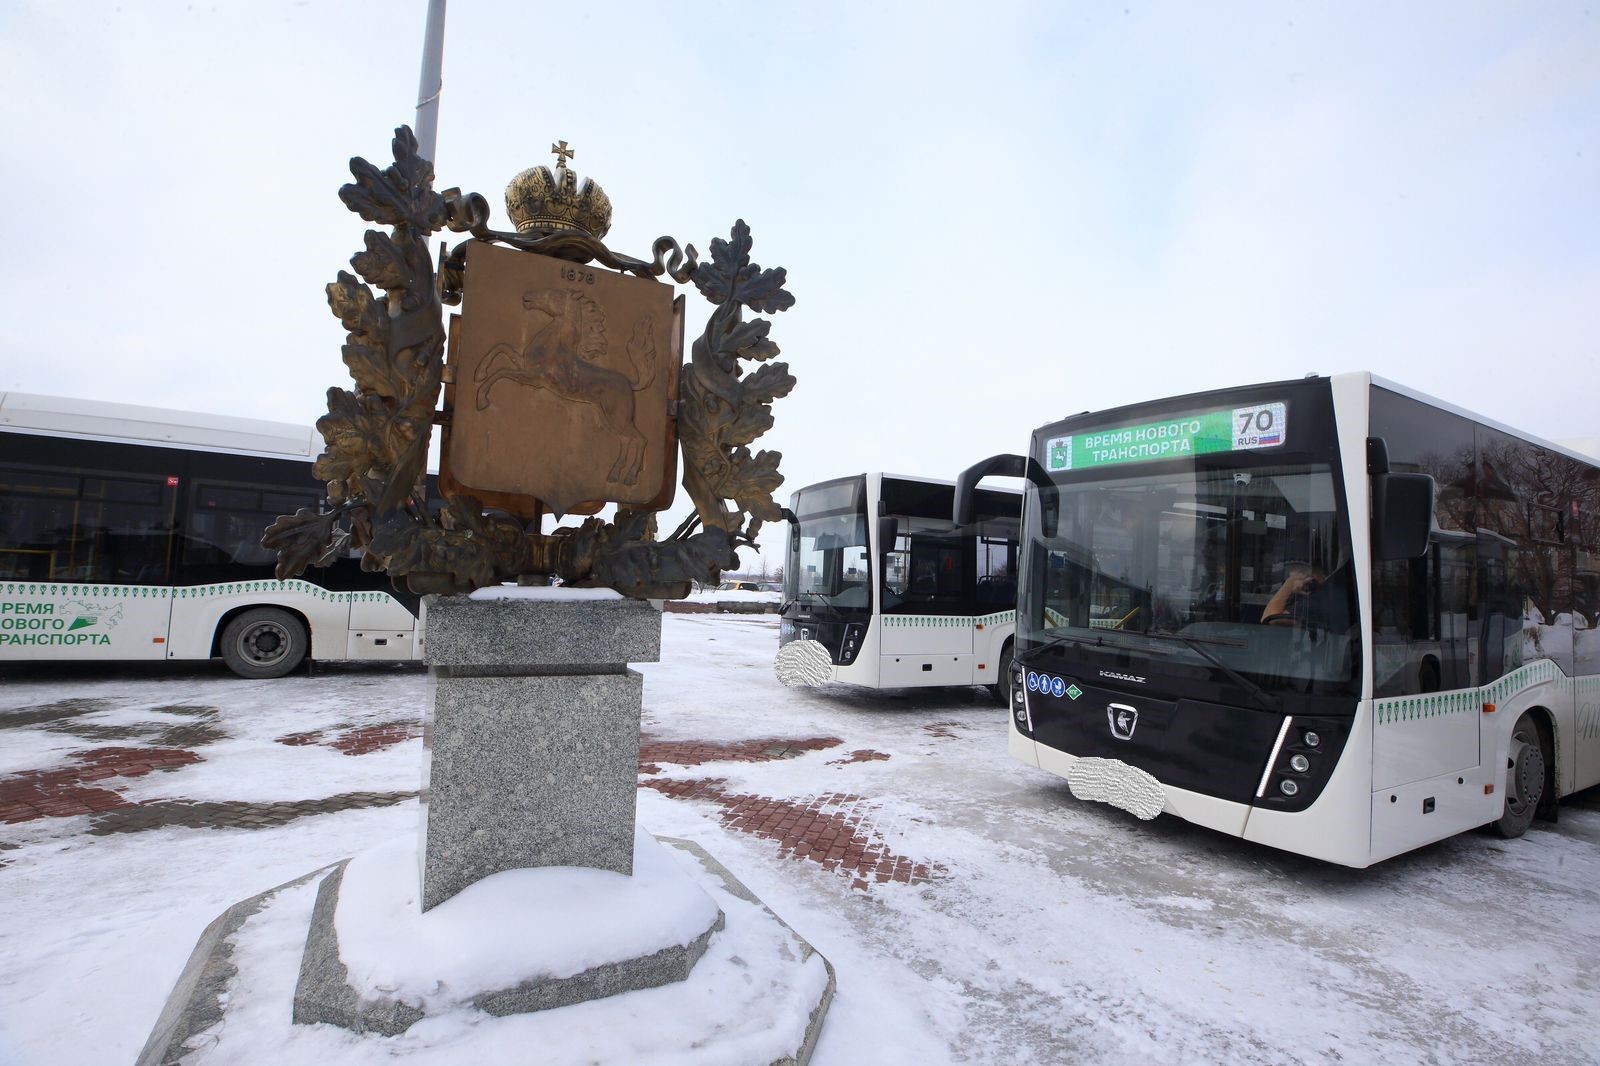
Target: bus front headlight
[852,643]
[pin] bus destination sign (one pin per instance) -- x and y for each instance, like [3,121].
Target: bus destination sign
[1264,425]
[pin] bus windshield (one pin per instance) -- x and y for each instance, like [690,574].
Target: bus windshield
[1238,569]
[829,565]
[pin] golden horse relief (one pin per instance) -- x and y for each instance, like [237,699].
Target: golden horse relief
[560,353]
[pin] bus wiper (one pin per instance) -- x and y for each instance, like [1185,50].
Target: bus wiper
[1197,645]
[820,597]
[1097,641]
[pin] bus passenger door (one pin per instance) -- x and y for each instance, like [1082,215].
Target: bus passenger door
[927,628]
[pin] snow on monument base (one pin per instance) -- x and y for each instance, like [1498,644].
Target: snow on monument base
[518,941]
[680,957]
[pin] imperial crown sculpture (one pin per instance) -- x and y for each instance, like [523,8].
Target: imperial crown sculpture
[539,201]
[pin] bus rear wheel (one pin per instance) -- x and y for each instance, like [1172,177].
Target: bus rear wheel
[1525,777]
[263,642]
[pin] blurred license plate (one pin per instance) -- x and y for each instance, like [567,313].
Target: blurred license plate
[1115,782]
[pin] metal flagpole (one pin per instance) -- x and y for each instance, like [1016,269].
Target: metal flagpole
[432,81]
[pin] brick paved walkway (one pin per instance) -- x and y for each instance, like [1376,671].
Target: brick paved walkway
[67,791]
[139,817]
[359,741]
[835,830]
[86,786]
[695,752]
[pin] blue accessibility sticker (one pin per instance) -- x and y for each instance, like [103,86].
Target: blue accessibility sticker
[1033,681]
[1058,687]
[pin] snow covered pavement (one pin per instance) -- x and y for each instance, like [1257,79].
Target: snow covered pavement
[974,910]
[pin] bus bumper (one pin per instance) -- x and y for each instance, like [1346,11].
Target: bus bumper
[1336,828]
[1022,747]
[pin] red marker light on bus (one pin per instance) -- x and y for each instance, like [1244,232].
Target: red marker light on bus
[172,482]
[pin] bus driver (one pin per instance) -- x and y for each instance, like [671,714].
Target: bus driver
[1301,580]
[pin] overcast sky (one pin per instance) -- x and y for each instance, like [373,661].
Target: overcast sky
[993,215]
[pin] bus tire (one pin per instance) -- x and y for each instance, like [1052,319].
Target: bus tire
[1001,689]
[263,642]
[1525,777]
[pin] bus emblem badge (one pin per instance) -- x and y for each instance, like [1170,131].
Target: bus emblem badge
[1123,719]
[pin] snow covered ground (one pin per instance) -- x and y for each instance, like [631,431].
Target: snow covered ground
[743,597]
[1036,928]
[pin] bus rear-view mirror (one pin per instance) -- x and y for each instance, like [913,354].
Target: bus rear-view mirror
[966,501]
[1402,515]
[888,532]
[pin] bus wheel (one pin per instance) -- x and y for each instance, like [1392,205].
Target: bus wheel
[263,642]
[1001,689]
[1525,765]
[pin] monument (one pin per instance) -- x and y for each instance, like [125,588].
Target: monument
[564,393]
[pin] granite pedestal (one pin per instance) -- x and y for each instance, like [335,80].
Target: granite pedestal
[532,735]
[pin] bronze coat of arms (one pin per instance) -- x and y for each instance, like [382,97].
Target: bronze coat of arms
[576,365]
[566,390]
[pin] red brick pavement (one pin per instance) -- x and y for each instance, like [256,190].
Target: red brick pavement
[832,829]
[375,737]
[861,755]
[64,792]
[825,829]
[359,741]
[695,752]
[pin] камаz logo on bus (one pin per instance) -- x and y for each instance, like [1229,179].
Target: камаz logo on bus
[1047,685]
[57,625]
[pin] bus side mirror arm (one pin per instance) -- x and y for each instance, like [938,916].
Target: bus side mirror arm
[1004,466]
[1402,515]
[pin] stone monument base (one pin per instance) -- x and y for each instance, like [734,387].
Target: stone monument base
[521,943]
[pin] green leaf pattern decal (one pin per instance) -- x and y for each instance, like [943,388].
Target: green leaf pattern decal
[235,588]
[1467,701]
[918,621]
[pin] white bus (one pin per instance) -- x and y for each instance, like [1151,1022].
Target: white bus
[881,589]
[1330,615]
[134,533]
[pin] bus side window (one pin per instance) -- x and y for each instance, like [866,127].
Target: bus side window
[123,532]
[997,574]
[35,518]
[225,524]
